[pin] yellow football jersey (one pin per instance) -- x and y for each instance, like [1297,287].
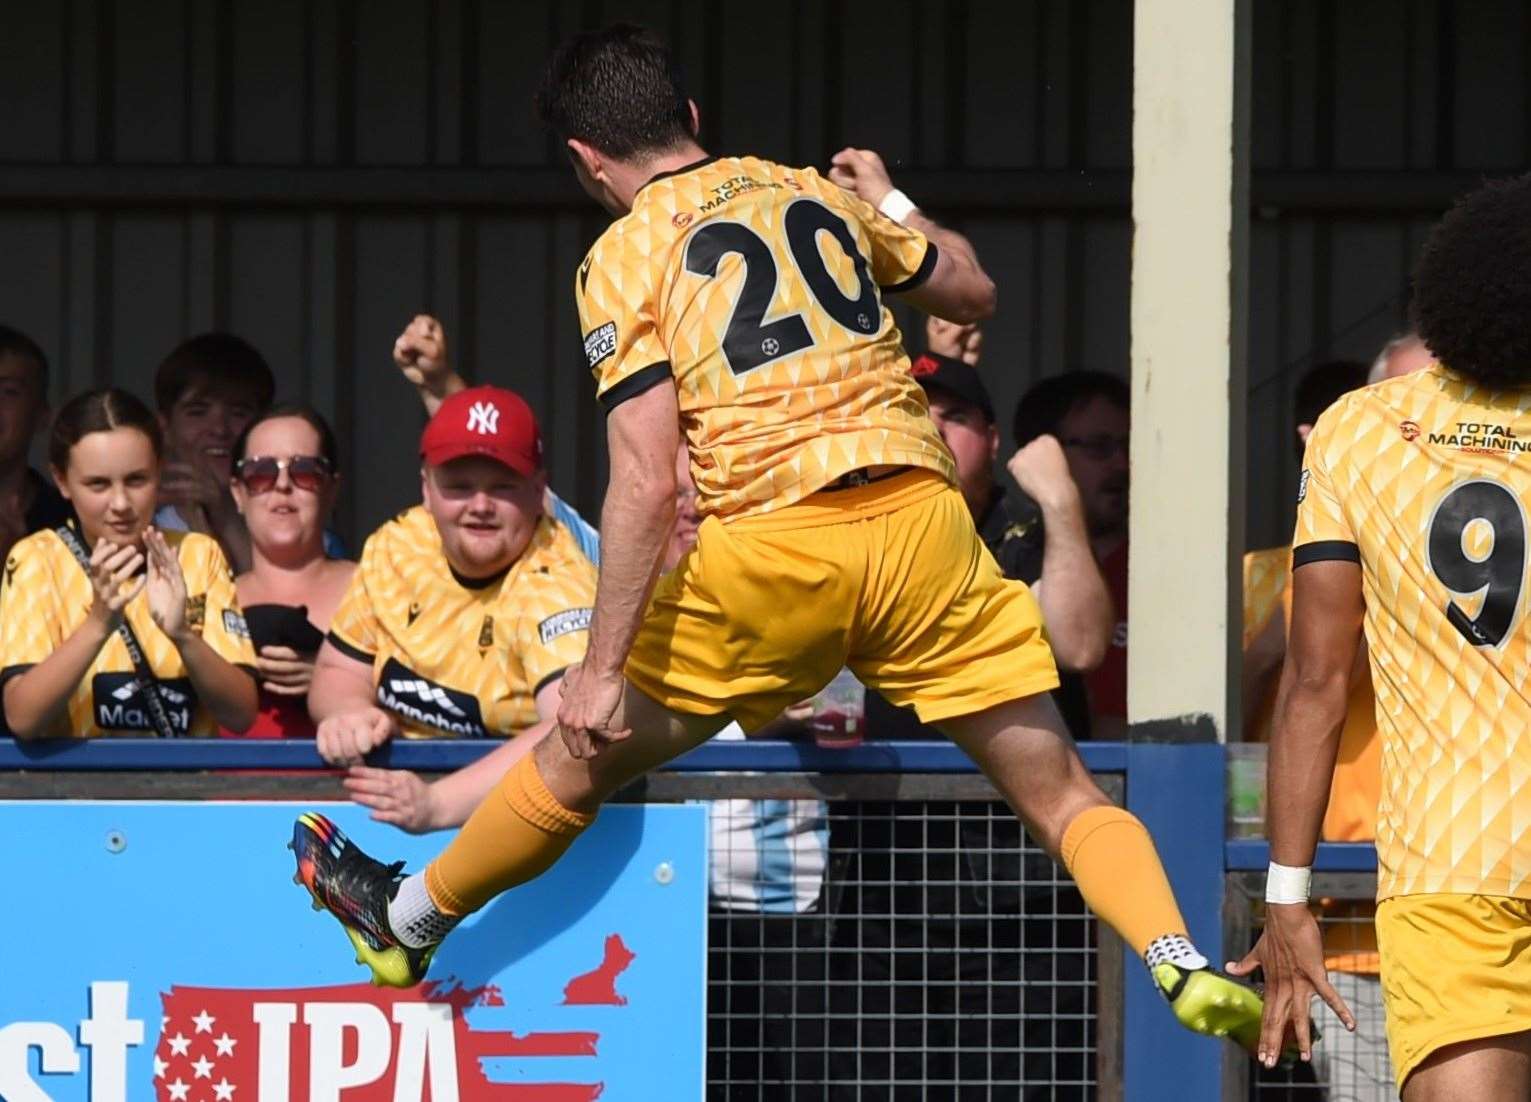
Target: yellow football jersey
[759,289]
[46,596]
[1423,480]
[452,658]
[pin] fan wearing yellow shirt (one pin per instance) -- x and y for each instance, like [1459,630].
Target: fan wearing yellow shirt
[463,612]
[108,626]
[739,304]
[1411,527]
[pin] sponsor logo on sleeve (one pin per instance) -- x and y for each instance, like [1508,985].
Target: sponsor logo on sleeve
[1302,487]
[600,343]
[562,623]
[234,624]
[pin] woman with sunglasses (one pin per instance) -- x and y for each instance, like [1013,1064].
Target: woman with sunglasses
[108,626]
[285,481]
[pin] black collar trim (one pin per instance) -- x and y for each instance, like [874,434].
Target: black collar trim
[478,583]
[681,171]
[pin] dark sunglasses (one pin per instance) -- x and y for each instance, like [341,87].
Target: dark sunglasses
[260,473]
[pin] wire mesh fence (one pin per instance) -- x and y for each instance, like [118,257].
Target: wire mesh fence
[907,948]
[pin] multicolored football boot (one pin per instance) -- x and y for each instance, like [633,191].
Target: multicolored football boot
[356,889]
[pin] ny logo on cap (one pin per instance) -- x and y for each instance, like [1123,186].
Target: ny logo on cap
[484,417]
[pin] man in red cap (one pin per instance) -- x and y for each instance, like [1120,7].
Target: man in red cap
[466,610]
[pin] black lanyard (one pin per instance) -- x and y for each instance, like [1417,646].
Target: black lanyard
[148,684]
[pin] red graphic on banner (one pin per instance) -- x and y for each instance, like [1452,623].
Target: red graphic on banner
[599,988]
[232,1045]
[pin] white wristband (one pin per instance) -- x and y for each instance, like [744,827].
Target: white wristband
[896,205]
[1285,884]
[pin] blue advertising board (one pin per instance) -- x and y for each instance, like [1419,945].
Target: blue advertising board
[160,951]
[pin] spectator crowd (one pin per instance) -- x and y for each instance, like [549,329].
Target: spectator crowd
[175,572]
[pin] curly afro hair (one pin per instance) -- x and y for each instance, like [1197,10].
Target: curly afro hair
[1472,288]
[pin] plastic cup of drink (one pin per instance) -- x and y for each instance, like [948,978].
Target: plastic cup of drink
[838,718]
[1246,789]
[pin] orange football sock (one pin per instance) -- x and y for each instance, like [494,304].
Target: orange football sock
[1113,860]
[516,834]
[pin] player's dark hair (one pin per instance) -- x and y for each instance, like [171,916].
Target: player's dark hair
[1044,406]
[327,446]
[1324,384]
[619,89]
[13,342]
[100,410]
[220,362]
[1472,287]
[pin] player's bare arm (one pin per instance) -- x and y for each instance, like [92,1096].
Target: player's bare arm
[341,702]
[421,354]
[642,435]
[418,806]
[1327,611]
[958,290]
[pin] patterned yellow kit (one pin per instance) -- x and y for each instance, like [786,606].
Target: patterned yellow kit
[1454,968]
[454,658]
[758,289]
[1422,480]
[45,598]
[888,578]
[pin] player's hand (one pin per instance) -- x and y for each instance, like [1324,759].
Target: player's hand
[112,567]
[954,340]
[284,671]
[346,738]
[395,796]
[862,173]
[1291,955]
[166,586]
[1041,470]
[421,353]
[586,713]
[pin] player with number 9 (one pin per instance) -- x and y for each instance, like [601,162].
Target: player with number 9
[1411,526]
[740,304]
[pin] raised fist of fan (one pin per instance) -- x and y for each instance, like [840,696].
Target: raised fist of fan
[421,353]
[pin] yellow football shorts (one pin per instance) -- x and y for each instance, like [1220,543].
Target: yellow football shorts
[889,579]
[1454,968]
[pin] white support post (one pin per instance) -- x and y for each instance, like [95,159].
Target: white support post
[1190,209]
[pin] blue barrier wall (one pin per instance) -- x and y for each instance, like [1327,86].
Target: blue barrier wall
[1176,789]
[165,953]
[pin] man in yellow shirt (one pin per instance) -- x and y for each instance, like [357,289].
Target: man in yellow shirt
[1411,525]
[739,304]
[464,611]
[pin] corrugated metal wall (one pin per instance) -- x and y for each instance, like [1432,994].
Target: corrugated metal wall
[312,174]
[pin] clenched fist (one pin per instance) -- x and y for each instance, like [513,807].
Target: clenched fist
[953,340]
[862,173]
[1041,470]
[421,353]
[347,738]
